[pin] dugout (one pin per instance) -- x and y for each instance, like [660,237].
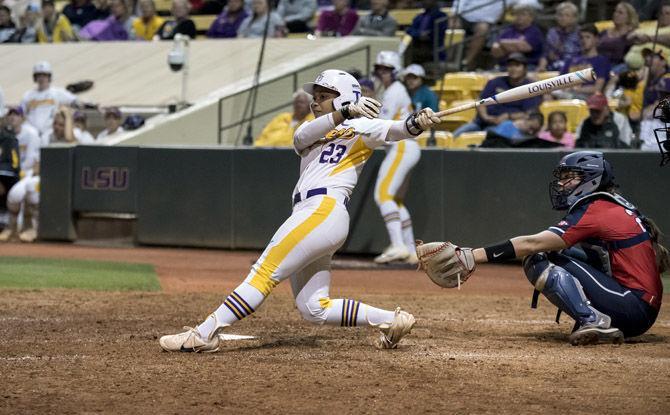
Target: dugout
[235,198]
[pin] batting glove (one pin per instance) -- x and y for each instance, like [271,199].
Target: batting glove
[426,119]
[365,107]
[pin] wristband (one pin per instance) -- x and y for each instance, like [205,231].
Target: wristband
[411,125]
[345,112]
[500,252]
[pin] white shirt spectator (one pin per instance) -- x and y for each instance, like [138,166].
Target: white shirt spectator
[40,106]
[396,103]
[105,133]
[29,148]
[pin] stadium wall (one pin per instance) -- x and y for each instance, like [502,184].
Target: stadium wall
[236,198]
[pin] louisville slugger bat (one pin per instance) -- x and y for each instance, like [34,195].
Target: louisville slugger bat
[529,90]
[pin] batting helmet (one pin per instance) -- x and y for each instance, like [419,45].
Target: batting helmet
[389,59]
[42,67]
[594,174]
[662,113]
[341,82]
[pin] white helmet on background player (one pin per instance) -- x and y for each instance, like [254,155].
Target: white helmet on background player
[42,67]
[343,83]
[389,59]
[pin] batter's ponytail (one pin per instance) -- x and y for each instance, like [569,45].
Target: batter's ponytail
[662,254]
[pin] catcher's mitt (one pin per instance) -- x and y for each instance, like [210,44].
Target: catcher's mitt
[446,264]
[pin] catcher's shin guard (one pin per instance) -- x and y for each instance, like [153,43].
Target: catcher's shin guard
[559,286]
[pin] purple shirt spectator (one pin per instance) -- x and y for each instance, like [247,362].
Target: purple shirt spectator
[500,84]
[226,26]
[614,48]
[563,44]
[333,24]
[102,30]
[599,63]
[532,34]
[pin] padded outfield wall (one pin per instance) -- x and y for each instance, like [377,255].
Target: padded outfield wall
[236,198]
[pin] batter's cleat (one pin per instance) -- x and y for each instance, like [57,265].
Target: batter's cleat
[598,331]
[28,235]
[393,253]
[190,341]
[400,327]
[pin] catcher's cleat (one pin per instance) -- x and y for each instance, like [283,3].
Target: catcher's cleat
[400,327]
[190,341]
[598,331]
[28,235]
[393,253]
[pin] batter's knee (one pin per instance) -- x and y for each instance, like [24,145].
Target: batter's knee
[313,311]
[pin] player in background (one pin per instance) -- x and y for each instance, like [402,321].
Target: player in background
[401,157]
[41,104]
[601,263]
[333,149]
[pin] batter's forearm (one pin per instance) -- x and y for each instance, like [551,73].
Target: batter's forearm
[312,131]
[398,131]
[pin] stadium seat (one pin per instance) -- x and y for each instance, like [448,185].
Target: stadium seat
[203,22]
[467,140]
[453,121]
[442,139]
[575,109]
[603,25]
[460,86]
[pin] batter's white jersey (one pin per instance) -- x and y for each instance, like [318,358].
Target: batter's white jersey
[396,103]
[40,106]
[335,162]
[29,147]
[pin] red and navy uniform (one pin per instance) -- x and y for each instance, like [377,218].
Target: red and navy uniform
[618,272]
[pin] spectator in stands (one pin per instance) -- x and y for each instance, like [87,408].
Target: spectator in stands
[658,78]
[493,115]
[603,128]
[613,43]
[7,27]
[113,126]
[64,129]
[80,13]
[476,17]
[519,130]
[297,14]
[367,87]
[146,26]
[423,35]
[378,23]
[649,122]
[228,22]
[181,23]
[649,38]
[557,131]
[254,25]
[629,90]
[588,37]
[562,41]
[40,104]
[79,121]
[422,96]
[522,36]
[26,32]
[279,131]
[118,26]
[55,27]
[28,139]
[337,22]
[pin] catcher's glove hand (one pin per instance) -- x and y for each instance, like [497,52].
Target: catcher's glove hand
[446,264]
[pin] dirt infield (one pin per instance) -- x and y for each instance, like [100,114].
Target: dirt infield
[478,350]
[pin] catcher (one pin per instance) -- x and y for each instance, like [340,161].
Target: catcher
[600,264]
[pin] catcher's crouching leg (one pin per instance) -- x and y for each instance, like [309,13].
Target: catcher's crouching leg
[564,291]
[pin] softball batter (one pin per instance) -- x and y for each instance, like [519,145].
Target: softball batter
[333,149]
[401,157]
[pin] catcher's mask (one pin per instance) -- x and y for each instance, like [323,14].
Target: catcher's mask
[662,113]
[577,175]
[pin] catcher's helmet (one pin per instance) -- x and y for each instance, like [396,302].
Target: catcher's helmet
[662,113]
[341,82]
[594,173]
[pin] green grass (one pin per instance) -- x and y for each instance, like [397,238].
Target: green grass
[26,272]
